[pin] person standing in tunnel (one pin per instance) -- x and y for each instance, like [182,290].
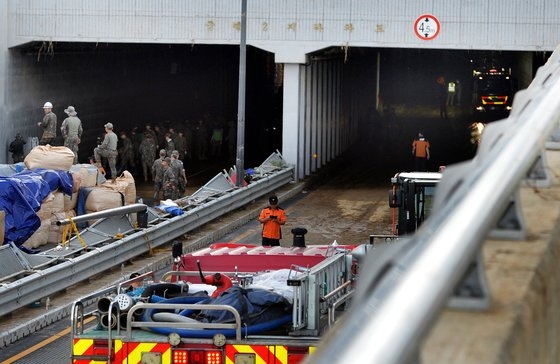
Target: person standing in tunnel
[126,154]
[442,97]
[108,149]
[157,174]
[421,152]
[147,151]
[16,148]
[169,180]
[72,131]
[48,124]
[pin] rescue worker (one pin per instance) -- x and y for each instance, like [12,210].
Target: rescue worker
[421,152]
[126,154]
[181,145]
[16,148]
[157,173]
[169,180]
[147,152]
[72,131]
[272,218]
[48,124]
[179,170]
[108,149]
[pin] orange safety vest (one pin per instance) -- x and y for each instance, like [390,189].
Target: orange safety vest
[420,147]
[271,229]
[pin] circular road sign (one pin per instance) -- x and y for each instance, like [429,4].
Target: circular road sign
[427,27]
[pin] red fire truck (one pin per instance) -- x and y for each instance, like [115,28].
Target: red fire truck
[227,303]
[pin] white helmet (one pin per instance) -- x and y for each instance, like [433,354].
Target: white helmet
[47,105]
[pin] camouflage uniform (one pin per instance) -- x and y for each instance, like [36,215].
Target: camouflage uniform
[49,129]
[181,145]
[126,153]
[169,183]
[157,175]
[72,132]
[108,149]
[178,170]
[147,152]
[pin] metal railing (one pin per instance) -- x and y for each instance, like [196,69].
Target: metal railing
[392,312]
[36,276]
[317,290]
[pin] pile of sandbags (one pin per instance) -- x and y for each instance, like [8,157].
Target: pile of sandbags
[112,194]
[58,206]
[49,157]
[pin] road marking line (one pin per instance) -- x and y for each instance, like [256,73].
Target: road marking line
[42,344]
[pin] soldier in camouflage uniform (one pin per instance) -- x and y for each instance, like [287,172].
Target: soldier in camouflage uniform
[181,145]
[108,149]
[147,152]
[169,183]
[180,175]
[126,153]
[72,131]
[49,125]
[157,173]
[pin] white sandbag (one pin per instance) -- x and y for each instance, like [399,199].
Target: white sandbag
[70,202]
[87,172]
[40,236]
[54,202]
[49,157]
[124,184]
[102,198]
[55,231]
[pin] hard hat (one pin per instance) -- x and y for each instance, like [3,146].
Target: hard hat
[47,105]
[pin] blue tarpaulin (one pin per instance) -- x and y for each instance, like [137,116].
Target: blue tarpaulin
[21,196]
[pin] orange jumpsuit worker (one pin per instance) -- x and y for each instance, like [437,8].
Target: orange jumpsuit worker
[272,217]
[421,152]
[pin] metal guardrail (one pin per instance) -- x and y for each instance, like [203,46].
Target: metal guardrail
[391,312]
[40,275]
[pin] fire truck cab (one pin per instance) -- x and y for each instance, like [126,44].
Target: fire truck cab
[493,91]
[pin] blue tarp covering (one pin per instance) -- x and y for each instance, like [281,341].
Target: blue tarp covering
[21,196]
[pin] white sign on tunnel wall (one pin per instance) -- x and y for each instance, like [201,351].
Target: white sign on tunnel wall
[427,27]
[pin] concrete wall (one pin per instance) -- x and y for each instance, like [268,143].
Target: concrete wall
[4,135]
[291,27]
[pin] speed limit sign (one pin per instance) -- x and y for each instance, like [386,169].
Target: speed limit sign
[427,27]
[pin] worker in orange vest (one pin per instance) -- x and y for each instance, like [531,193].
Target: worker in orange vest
[272,217]
[421,152]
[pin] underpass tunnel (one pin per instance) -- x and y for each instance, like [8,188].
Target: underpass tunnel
[368,100]
[135,84]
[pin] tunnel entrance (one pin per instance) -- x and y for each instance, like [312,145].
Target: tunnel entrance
[132,85]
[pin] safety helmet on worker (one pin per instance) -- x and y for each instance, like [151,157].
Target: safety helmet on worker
[47,105]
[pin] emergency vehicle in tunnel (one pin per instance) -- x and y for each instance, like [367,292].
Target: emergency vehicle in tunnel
[493,91]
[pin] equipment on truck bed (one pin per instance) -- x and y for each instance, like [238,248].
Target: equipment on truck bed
[281,300]
[411,196]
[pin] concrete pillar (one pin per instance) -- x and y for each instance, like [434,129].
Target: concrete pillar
[4,134]
[291,112]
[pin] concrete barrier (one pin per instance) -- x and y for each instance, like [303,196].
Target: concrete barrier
[523,322]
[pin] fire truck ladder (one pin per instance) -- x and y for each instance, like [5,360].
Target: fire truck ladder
[318,292]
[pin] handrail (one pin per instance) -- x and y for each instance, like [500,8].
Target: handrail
[402,306]
[183,325]
[111,252]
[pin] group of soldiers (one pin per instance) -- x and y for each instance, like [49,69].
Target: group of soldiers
[153,153]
